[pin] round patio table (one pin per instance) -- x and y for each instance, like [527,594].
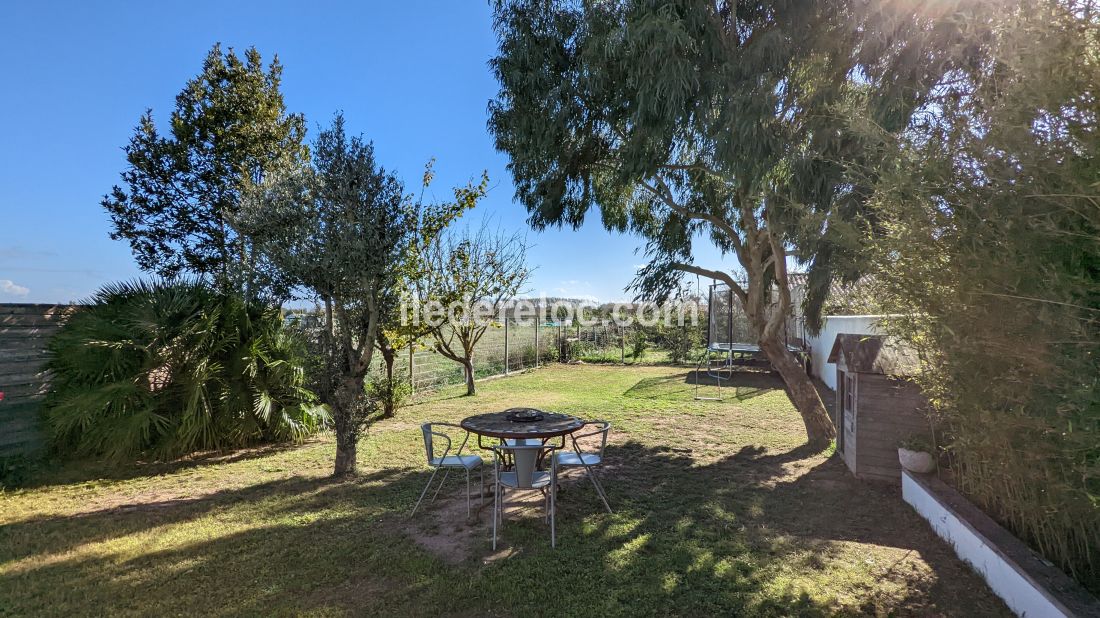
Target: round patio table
[499,425]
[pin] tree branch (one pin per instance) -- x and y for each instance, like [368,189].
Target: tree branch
[715,220]
[778,261]
[713,274]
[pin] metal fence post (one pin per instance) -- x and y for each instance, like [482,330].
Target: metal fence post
[537,343]
[412,382]
[622,345]
[561,345]
[505,345]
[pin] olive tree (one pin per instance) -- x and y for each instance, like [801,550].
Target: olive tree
[339,230]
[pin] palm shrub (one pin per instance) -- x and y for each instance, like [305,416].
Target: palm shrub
[167,368]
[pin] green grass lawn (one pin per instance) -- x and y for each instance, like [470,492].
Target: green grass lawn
[717,511]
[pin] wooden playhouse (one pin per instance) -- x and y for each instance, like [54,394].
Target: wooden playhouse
[876,405]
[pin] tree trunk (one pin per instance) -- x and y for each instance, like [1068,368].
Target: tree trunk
[819,427]
[388,355]
[347,422]
[468,367]
[345,454]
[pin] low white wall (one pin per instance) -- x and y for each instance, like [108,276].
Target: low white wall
[821,345]
[1018,590]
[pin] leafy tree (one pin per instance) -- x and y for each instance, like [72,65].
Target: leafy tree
[700,120]
[464,280]
[399,331]
[169,368]
[182,191]
[339,231]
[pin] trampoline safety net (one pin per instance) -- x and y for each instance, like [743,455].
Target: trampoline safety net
[727,324]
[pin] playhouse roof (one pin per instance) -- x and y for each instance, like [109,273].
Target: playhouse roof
[874,354]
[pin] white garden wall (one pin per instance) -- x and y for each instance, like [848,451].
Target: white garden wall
[821,345]
[1031,587]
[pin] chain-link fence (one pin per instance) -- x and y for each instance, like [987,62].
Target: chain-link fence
[515,346]
[508,347]
[518,345]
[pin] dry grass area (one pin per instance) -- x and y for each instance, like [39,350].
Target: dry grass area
[718,510]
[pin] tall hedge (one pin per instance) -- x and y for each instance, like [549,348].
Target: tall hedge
[992,250]
[168,368]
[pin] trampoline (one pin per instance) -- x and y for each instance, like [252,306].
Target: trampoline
[728,334]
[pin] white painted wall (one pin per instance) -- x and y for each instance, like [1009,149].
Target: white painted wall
[821,345]
[1019,591]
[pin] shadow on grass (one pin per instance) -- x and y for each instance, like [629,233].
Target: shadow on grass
[737,536]
[52,473]
[734,536]
[738,384]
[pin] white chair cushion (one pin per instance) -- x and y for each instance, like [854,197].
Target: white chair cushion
[538,479]
[570,458]
[458,461]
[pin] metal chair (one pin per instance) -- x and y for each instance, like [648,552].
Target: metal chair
[587,460]
[524,475]
[447,462]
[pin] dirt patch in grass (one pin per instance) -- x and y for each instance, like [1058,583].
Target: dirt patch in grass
[443,529]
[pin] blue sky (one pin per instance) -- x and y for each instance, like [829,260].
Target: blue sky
[411,76]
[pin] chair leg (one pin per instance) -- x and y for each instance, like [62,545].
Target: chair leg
[553,509]
[498,511]
[423,493]
[481,492]
[446,471]
[599,488]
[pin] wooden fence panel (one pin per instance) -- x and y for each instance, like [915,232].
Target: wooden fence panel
[25,330]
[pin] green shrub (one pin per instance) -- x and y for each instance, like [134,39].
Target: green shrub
[639,345]
[575,349]
[393,393]
[15,470]
[529,355]
[681,340]
[168,368]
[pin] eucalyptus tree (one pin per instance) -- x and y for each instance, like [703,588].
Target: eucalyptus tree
[338,231]
[182,190]
[709,121]
[465,279]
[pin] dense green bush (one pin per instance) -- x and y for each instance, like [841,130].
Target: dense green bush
[639,344]
[391,393]
[168,368]
[16,469]
[992,256]
[681,341]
